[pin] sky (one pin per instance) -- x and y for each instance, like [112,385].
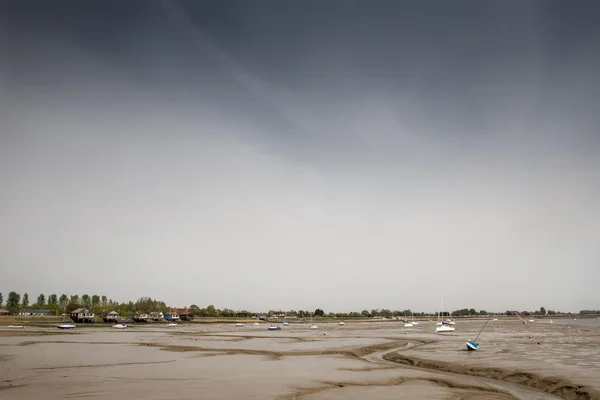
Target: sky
[344,155]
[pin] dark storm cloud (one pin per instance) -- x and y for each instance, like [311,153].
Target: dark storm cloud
[363,143]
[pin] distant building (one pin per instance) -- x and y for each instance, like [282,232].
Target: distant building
[35,312]
[111,316]
[82,315]
[173,316]
[3,312]
[184,314]
[140,316]
[156,316]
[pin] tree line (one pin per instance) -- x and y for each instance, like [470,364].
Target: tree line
[100,303]
[67,303]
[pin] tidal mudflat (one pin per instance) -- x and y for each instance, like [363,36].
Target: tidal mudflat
[359,360]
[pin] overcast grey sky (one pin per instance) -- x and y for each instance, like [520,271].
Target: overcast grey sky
[301,154]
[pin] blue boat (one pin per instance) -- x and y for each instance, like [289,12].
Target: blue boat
[472,345]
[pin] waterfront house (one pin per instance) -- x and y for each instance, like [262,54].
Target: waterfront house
[140,316]
[82,315]
[111,316]
[184,314]
[3,312]
[156,316]
[172,316]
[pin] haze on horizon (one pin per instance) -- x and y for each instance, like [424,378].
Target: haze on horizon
[345,155]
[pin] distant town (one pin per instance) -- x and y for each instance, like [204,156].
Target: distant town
[97,308]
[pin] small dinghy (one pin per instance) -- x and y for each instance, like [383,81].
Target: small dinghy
[239,324]
[171,324]
[66,325]
[16,327]
[274,328]
[472,344]
[120,325]
[342,323]
[256,324]
[314,326]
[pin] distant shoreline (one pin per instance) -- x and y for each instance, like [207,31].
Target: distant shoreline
[53,319]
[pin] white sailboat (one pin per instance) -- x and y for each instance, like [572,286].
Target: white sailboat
[285,323]
[444,326]
[407,323]
[313,326]
[413,319]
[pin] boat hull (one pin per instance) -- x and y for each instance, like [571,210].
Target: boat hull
[445,329]
[472,346]
[274,328]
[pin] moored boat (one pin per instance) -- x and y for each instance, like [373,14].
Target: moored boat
[66,325]
[472,345]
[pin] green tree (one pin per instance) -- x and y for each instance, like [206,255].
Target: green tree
[365,313]
[542,311]
[104,300]
[211,311]
[1,299]
[74,299]
[41,301]
[63,301]
[52,300]
[95,300]
[86,300]
[25,301]
[13,300]
[319,312]
[482,312]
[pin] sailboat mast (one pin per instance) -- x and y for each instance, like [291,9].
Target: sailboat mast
[482,329]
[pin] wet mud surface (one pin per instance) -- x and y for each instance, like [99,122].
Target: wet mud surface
[355,361]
